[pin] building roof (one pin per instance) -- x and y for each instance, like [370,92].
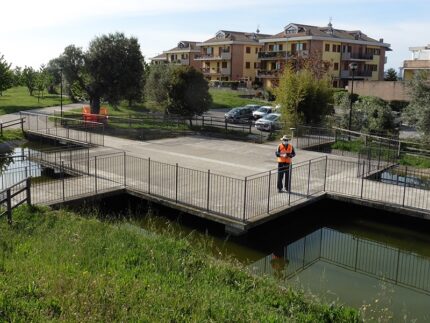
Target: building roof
[184,46]
[294,30]
[161,57]
[223,36]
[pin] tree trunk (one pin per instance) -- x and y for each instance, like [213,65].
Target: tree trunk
[95,105]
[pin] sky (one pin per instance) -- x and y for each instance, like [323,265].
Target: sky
[33,32]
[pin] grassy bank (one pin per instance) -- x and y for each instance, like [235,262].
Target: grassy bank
[18,99]
[228,99]
[11,134]
[57,266]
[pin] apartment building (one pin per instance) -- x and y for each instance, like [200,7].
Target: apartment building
[183,54]
[337,47]
[230,56]
[419,61]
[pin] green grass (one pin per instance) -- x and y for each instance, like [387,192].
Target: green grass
[353,145]
[11,134]
[228,99]
[415,161]
[18,99]
[57,266]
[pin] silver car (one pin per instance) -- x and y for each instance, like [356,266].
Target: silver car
[262,111]
[270,122]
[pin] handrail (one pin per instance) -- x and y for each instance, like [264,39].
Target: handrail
[10,195]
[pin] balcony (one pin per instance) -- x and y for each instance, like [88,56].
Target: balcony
[268,74]
[211,57]
[225,71]
[211,71]
[357,57]
[411,64]
[272,55]
[185,61]
[358,74]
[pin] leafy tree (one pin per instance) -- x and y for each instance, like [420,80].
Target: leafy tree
[6,75]
[188,92]
[391,75]
[418,111]
[112,69]
[157,84]
[17,76]
[43,79]
[303,96]
[29,78]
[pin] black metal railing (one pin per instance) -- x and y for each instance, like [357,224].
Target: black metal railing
[11,123]
[15,195]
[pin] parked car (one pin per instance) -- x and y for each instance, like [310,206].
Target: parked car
[241,114]
[262,111]
[269,122]
[254,107]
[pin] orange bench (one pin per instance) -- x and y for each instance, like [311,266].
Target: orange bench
[88,116]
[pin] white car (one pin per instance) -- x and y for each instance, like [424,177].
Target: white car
[262,111]
[270,122]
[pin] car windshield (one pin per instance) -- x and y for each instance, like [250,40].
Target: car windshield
[271,117]
[233,111]
[263,109]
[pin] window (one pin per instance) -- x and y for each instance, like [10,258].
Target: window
[224,64]
[256,50]
[336,66]
[333,48]
[248,50]
[327,47]
[256,65]
[371,67]
[270,48]
[247,65]
[337,48]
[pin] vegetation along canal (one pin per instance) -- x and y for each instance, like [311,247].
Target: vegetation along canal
[375,261]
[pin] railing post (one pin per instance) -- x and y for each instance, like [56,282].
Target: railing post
[125,170]
[209,183]
[362,180]
[28,190]
[404,186]
[244,200]
[62,180]
[268,192]
[95,173]
[9,206]
[1,129]
[176,182]
[149,175]
[309,177]
[290,173]
[325,172]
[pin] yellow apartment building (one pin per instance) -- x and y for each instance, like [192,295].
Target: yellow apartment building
[230,56]
[420,61]
[183,54]
[337,47]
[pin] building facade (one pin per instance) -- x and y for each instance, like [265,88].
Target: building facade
[183,54]
[419,61]
[230,56]
[338,48]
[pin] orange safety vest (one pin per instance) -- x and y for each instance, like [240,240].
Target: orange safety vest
[285,150]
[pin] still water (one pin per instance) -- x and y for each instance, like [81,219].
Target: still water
[371,260]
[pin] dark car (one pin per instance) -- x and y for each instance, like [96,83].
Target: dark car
[236,115]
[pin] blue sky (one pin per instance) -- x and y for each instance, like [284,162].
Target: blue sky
[33,32]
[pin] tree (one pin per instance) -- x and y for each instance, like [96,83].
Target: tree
[29,76]
[6,75]
[17,76]
[112,69]
[303,96]
[43,79]
[157,84]
[375,115]
[188,92]
[418,111]
[391,75]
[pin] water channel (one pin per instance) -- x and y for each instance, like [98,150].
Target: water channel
[376,261]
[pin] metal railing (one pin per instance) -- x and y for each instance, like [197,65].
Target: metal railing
[11,123]
[65,129]
[14,196]
[82,174]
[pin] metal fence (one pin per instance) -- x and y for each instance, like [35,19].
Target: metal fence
[65,129]
[61,175]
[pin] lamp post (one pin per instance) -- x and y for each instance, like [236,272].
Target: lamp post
[61,92]
[352,67]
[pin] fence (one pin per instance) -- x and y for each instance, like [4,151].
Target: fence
[14,196]
[66,129]
[352,253]
[11,123]
[65,175]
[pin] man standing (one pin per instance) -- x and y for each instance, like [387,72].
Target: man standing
[284,153]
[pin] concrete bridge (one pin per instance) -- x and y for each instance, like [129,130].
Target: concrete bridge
[225,181]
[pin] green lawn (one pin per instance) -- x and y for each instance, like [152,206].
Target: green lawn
[18,99]
[228,99]
[58,266]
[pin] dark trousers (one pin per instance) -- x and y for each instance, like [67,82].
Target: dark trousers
[283,175]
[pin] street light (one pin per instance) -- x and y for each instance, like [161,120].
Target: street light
[61,92]
[352,67]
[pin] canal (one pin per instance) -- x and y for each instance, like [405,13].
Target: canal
[375,261]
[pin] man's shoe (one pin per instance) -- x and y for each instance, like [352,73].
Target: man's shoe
[281,191]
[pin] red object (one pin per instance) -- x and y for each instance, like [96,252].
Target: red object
[88,116]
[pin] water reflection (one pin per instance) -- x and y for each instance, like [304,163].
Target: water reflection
[349,252]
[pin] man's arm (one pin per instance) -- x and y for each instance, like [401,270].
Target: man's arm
[293,153]
[278,152]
